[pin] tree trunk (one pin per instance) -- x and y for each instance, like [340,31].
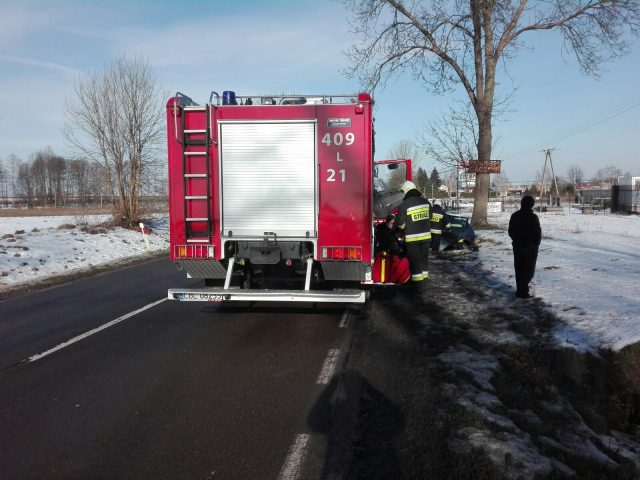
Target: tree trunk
[481,198]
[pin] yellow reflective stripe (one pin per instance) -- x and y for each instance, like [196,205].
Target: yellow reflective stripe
[438,232]
[382,270]
[436,217]
[417,209]
[416,278]
[401,226]
[416,237]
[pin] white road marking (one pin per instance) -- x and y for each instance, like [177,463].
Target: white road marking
[344,321]
[95,330]
[292,468]
[328,367]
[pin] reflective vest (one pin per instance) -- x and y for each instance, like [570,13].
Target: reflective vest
[439,219]
[414,216]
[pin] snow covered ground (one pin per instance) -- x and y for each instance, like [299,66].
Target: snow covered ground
[588,274]
[588,269]
[34,248]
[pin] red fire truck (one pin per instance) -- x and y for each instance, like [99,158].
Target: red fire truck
[272,187]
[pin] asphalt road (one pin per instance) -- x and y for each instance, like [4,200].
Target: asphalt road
[176,391]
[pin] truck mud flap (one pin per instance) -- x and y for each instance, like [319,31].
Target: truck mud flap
[266,295]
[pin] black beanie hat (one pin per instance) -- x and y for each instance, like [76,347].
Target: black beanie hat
[527,201]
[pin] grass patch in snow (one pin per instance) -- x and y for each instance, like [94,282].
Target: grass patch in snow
[487,241]
[577,397]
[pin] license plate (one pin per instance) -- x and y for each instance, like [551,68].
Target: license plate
[201,297]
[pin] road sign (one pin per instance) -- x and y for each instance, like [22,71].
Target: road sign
[483,166]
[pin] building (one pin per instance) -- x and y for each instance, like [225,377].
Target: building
[628,194]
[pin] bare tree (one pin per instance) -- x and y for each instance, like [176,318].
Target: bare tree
[609,174]
[575,175]
[78,183]
[4,190]
[408,148]
[404,149]
[25,180]
[38,173]
[116,119]
[455,42]
[98,189]
[14,162]
[451,140]
[56,176]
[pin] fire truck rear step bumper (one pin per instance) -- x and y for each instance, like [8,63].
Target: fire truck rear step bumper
[266,295]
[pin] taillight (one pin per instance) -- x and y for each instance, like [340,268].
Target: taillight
[342,253]
[194,251]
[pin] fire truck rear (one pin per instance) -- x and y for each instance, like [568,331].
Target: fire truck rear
[271,188]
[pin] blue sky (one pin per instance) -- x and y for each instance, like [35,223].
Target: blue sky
[296,46]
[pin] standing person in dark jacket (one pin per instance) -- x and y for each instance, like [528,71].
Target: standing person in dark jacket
[414,217]
[439,221]
[525,233]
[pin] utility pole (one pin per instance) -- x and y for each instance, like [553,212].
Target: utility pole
[457,185]
[547,158]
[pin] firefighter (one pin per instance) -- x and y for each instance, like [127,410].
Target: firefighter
[389,266]
[525,233]
[414,218]
[385,237]
[440,220]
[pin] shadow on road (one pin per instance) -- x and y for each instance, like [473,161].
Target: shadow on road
[360,424]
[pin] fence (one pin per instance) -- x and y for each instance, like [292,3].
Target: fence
[595,199]
[619,198]
[625,199]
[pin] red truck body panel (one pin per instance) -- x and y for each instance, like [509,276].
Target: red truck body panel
[343,170]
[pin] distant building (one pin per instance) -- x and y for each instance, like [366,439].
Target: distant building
[628,194]
[628,180]
[516,190]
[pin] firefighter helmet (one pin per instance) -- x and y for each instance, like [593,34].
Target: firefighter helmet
[406,186]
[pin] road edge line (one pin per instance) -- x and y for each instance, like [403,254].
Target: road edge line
[38,356]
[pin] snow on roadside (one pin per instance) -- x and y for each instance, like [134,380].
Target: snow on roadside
[588,274]
[34,248]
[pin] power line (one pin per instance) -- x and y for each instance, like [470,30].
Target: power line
[601,117]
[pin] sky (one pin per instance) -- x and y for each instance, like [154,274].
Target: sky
[297,46]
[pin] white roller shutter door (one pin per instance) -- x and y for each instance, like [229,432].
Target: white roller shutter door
[268,178]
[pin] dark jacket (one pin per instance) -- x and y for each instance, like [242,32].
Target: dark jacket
[524,228]
[414,217]
[386,240]
[440,220]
